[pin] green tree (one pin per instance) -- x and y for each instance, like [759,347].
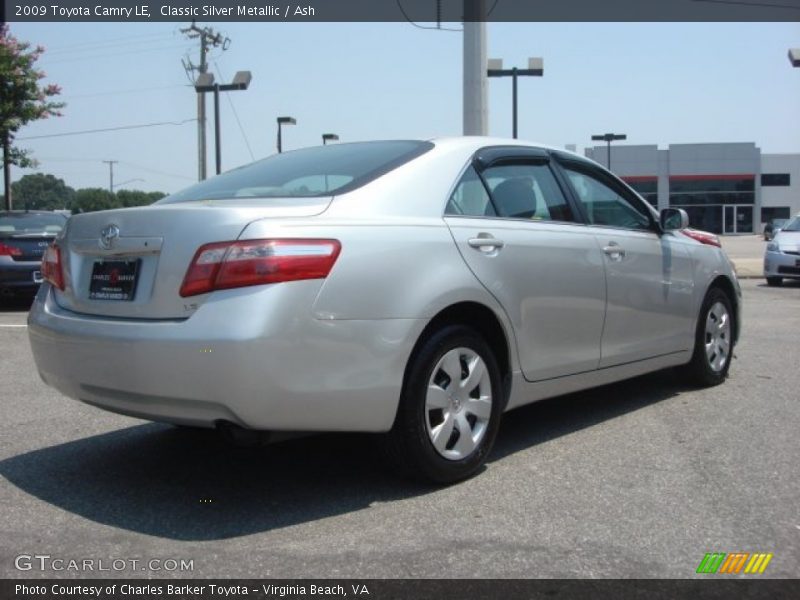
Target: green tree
[134,198]
[22,99]
[41,191]
[93,199]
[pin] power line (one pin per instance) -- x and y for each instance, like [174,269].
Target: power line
[117,40]
[107,55]
[122,162]
[235,114]
[129,91]
[120,128]
[156,171]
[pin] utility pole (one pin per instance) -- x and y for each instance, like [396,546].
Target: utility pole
[7,169]
[111,174]
[208,38]
[476,113]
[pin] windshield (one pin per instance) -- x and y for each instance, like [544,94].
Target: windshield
[306,173]
[22,223]
[793,225]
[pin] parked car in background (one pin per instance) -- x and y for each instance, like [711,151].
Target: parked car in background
[773,227]
[416,288]
[23,239]
[782,255]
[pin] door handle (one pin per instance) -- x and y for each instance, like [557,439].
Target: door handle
[480,243]
[614,251]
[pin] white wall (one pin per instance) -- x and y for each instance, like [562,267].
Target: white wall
[779,195]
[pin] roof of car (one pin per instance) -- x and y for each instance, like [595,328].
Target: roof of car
[479,141]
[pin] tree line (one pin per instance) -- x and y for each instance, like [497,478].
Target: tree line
[42,191]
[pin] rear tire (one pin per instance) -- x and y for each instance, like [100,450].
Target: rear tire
[450,407]
[774,281]
[713,346]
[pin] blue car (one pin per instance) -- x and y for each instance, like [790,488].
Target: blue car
[23,238]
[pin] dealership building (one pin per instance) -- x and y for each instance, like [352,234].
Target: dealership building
[725,188]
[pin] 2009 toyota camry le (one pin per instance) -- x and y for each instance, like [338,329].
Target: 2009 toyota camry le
[416,288]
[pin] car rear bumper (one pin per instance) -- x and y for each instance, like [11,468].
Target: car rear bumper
[244,356]
[22,277]
[779,264]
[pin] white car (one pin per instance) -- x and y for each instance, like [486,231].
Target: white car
[782,256]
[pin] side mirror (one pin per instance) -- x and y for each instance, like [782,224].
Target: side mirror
[673,218]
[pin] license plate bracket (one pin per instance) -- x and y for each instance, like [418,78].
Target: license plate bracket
[114,280]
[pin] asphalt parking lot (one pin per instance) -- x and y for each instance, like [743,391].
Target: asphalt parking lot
[638,479]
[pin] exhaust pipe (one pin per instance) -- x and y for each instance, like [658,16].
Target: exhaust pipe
[241,437]
[254,438]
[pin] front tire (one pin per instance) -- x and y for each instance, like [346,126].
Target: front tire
[774,281]
[713,347]
[450,407]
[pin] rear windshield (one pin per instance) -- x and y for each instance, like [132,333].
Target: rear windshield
[306,173]
[18,223]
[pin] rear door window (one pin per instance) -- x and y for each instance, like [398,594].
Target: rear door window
[470,197]
[527,191]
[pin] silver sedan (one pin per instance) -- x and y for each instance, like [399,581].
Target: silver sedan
[416,288]
[782,255]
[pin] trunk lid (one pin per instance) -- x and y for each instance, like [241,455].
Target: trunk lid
[162,240]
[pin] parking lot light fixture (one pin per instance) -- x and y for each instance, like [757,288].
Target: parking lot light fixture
[535,69]
[284,121]
[329,137]
[608,138]
[794,56]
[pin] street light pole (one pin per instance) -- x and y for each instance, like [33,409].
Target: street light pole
[608,138]
[329,137]
[284,121]
[217,137]
[535,69]
[205,83]
[514,102]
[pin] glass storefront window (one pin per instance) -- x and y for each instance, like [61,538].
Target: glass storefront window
[711,184]
[720,218]
[712,198]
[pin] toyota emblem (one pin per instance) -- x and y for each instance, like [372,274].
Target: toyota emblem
[108,235]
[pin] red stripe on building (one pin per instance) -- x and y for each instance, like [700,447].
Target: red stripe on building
[639,178]
[708,177]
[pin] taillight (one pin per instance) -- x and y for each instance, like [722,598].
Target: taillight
[9,251]
[51,266]
[226,265]
[703,237]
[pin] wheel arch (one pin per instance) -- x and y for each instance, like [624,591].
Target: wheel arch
[724,283]
[486,322]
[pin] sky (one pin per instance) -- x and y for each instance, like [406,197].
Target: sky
[659,83]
